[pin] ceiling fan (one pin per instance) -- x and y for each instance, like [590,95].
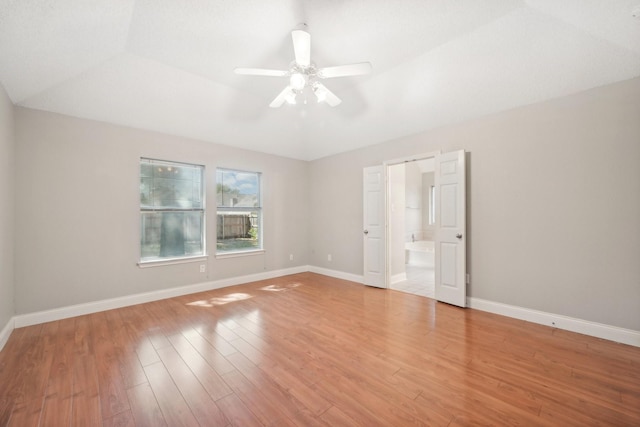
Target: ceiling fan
[303,73]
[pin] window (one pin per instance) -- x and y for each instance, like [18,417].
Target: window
[239,211]
[171,210]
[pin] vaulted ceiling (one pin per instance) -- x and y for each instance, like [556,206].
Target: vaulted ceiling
[167,66]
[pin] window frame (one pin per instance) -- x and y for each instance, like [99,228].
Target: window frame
[259,209]
[158,261]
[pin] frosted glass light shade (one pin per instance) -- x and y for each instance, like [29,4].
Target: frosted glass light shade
[297,81]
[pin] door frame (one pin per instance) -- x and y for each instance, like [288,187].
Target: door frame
[386,165]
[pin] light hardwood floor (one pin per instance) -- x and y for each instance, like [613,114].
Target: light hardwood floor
[308,350]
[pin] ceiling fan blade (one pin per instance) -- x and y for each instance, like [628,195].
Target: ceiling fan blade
[324,94]
[345,70]
[302,47]
[260,72]
[282,97]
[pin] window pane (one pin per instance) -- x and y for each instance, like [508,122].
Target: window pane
[239,212]
[171,234]
[238,231]
[170,186]
[237,189]
[172,214]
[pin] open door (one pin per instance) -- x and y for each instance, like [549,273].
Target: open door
[374,227]
[450,236]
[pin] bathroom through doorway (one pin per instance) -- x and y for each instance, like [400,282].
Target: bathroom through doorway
[411,221]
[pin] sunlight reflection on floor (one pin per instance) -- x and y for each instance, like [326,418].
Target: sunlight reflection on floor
[233,297]
[279,288]
[226,299]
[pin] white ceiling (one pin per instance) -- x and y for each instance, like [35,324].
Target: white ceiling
[167,66]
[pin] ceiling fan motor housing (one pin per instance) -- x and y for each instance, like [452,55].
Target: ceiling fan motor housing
[301,77]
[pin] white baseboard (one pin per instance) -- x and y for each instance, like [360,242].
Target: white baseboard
[337,274]
[6,331]
[397,278]
[594,329]
[108,304]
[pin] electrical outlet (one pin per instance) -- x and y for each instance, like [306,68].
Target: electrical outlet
[290,257]
[203,268]
[329,257]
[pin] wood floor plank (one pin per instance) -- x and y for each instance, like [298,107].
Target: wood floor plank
[174,409]
[201,403]
[86,410]
[146,352]
[264,409]
[36,362]
[225,332]
[208,352]
[10,373]
[57,410]
[354,407]
[237,413]
[144,407]
[85,375]
[208,377]
[26,414]
[264,382]
[130,368]
[248,351]
[310,350]
[82,335]
[110,382]
[303,393]
[304,418]
[124,350]
[59,393]
[335,417]
[208,332]
[123,419]
[6,407]
[134,325]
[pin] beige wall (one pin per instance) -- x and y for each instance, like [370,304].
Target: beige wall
[7,309]
[77,205]
[553,203]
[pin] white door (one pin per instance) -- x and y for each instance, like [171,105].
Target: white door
[450,239]
[374,227]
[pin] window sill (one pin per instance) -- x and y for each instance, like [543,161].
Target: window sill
[239,254]
[171,261]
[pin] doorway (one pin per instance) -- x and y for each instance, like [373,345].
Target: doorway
[411,226]
[449,207]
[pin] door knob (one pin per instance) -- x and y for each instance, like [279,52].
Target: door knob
[459,236]
[366,231]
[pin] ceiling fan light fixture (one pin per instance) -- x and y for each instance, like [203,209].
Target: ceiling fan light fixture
[291,98]
[298,81]
[320,92]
